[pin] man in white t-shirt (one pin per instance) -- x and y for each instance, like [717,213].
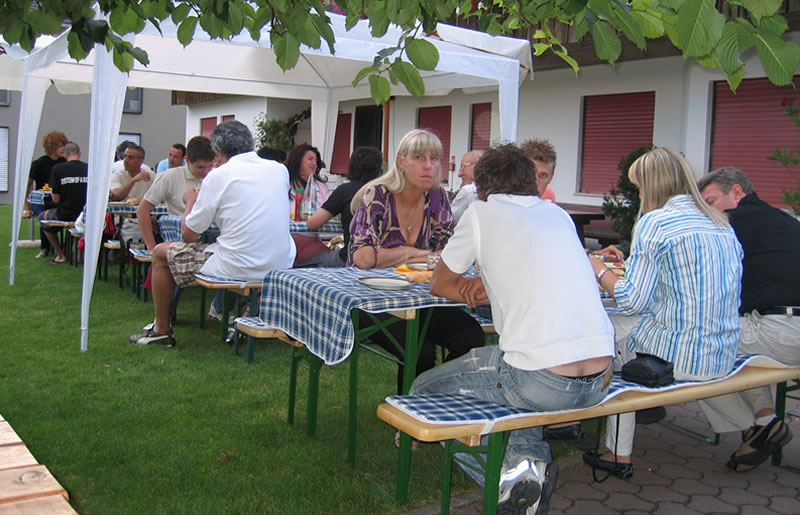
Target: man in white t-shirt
[170,186]
[467,194]
[132,182]
[556,341]
[246,196]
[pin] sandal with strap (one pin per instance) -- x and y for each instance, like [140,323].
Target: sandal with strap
[758,444]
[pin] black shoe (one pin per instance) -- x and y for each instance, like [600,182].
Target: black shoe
[620,470]
[570,432]
[651,415]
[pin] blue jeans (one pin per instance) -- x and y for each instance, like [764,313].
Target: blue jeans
[483,374]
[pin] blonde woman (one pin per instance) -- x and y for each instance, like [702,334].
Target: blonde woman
[401,217]
[680,297]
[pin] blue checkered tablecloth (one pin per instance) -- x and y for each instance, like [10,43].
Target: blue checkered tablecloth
[451,408]
[312,305]
[333,227]
[170,227]
[38,197]
[123,208]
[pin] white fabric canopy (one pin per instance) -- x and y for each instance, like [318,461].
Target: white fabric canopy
[467,59]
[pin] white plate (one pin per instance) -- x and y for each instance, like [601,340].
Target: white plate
[384,283]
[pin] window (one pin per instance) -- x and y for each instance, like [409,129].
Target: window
[228,117]
[341,144]
[207,125]
[481,126]
[4,97]
[613,126]
[3,158]
[369,127]
[747,127]
[438,121]
[129,136]
[133,101]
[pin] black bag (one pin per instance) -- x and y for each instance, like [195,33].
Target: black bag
[648,370]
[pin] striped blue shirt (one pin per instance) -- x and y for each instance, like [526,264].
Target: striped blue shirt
[684,278]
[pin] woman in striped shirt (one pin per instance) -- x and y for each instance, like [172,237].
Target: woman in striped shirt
[680,297]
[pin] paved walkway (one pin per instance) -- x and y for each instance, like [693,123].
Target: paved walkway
[673,473]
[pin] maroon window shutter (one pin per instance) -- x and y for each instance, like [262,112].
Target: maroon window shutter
[438,121]
[481,126]
[747,127]
[613,126]
[207,125]
[228,117]
[340,159]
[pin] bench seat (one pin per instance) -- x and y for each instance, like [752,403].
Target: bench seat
[433,418]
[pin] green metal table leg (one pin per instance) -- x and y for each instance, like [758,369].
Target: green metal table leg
[447,476]
[352,408]
[293,383]
[226,310]
[202,308]
[491,485]
[314,364]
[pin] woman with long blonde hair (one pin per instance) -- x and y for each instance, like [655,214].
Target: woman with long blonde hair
[401,217]
[679,299]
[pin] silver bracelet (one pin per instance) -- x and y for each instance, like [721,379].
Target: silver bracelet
[600,275]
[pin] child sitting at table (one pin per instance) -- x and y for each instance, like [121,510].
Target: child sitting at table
[556,341]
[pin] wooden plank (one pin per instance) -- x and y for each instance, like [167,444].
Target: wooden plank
[28,483]
[13,456]
[748,378]
[7,435]
[51,505]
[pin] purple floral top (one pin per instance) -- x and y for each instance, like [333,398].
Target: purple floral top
[375,223]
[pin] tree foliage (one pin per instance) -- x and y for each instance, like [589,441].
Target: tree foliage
[790,158]
[696,27]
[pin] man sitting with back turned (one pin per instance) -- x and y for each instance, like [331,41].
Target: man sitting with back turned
[769,313]
[556,341]
[246,196]
[170,186]
[69,182]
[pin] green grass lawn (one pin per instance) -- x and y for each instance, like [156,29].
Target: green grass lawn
[191,429]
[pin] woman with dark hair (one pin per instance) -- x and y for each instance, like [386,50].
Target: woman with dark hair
[366,163]
[53,144]
[302,162]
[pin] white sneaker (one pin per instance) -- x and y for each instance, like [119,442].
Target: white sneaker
[213,314]
[520,489]
[548,476]
[42,253]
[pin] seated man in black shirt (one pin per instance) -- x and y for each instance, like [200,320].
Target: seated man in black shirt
[769,313]
[68,181]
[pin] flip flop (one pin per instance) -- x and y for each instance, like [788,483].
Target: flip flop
[414,443]
[758,444]
[56,261]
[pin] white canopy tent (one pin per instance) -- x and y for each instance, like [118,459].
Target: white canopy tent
[467,59]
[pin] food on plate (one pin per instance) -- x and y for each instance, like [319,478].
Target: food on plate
[132,201]
[420,277]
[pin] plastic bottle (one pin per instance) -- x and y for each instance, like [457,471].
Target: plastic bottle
[298,204]
[310,199]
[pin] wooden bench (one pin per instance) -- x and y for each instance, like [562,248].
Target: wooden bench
[495,420]
[25,485]
[141,266]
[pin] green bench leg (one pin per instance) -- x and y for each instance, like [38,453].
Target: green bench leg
[202,308]
[781,391]
[313,365]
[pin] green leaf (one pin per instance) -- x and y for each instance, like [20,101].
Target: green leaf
[699,27]
[13,33]
[235,17]
[539,34]
[410,77]
[74,46]
[774,24]
[675,5]
[45,22]
[405,17]
[186,30]
[569,60]
[649,23]
[287,51]
[363,72]
[607,45]
[179,13]
[708,61]
[624,21]
[744,35]
[140,55]
[123,61]
[540,48]
[97,30]
[379,88]
[735,78]
[761,8]
[574,7]
[323,27]
[26,39]
[486,20]
[581,29]
[727,50]
[308,34]
[422,53]
[378,19]
[671,29]
[148,8]
[779,58]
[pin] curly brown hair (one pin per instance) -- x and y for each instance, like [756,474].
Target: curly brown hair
[539,149]
[53,140]
[505,169]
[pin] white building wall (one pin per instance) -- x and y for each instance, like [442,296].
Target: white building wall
[245,109]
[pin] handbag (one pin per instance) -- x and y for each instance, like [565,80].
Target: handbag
[648,370]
